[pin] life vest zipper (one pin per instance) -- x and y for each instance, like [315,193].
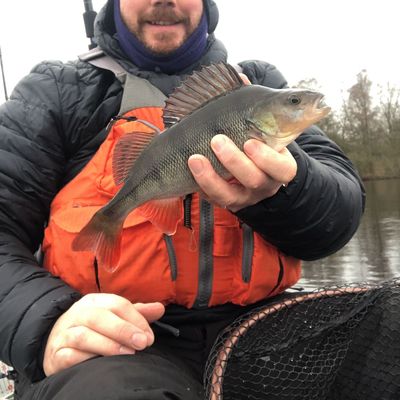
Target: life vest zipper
[187,211]
[247,252]
[206,261]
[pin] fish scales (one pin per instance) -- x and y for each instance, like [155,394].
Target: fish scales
[161,170]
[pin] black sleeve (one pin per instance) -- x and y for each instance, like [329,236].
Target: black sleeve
[51,126]
[32,159]
[320,210]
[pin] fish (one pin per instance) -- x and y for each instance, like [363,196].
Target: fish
[214,100]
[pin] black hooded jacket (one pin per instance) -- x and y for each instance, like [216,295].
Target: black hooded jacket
[54,123]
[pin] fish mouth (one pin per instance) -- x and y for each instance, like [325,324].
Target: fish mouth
[319,106]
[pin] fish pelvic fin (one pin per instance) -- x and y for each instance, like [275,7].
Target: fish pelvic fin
[102,235]
[164,214]
[198,89]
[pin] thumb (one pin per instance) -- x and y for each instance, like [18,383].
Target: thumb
[151,311]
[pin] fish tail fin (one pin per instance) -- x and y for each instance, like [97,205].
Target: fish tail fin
[102,235]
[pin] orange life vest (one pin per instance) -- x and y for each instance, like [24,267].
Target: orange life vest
[215,260]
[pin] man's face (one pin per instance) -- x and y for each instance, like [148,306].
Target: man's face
[162,25]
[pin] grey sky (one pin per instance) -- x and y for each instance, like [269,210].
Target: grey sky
[329,40]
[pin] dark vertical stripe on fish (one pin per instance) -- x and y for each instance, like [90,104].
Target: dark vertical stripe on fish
[206,262]
[172,257]
[247,252]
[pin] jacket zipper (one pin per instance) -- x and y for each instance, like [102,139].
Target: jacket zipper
[247,252]
[206,262]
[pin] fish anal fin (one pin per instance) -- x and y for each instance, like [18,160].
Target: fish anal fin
[165,214]
[198,89]
[126,152]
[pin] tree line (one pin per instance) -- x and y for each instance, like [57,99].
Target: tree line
[366,126]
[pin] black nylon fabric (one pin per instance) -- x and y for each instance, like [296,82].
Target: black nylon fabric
[52,125]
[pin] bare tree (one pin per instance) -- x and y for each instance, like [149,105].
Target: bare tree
[390,111]
[361,122]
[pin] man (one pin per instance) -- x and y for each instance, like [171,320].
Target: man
[304,202]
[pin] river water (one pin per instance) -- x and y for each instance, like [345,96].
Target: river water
[373,254]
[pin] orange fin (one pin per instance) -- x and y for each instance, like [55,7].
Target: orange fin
[164,214]
[126,152]
[102,236]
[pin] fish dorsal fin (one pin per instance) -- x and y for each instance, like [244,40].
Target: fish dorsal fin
[198,89]
[126,152]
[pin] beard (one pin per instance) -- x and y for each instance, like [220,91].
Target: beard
[163,43]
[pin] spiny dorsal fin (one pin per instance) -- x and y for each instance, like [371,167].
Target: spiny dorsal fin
[198,89]
[126,152]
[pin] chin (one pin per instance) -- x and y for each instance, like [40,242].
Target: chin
[164,51]
[165,45]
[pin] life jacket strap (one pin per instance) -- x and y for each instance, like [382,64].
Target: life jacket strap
[150,96]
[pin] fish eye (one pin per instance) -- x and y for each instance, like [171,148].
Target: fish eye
[294,99]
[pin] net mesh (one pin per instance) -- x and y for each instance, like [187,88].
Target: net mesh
[334,343]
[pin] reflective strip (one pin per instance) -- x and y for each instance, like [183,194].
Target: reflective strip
[247,252]
[206,262]
[172,257]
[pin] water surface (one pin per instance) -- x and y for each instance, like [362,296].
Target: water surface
[373,254]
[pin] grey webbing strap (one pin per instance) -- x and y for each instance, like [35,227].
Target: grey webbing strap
[138,92]
[97,58]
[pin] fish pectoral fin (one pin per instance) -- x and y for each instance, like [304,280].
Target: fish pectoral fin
[126,152]
[164,214]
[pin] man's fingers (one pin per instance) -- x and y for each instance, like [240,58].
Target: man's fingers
[238,163]
[107,323]
[122,308]
[215,188]
[151,311]
[86,340]
[245,79]
[280,166]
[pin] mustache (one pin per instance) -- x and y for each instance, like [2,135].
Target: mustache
[163,13]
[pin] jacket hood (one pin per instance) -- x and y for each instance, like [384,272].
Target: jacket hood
[212,14]
[106,39]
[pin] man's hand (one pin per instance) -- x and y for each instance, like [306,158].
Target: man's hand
[99,324]
[259,172]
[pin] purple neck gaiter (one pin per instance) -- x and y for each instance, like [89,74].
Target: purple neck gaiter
[186,55]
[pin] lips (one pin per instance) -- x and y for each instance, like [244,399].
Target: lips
[320,106]
[163,23]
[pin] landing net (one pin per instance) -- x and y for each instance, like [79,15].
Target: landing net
[337,343]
